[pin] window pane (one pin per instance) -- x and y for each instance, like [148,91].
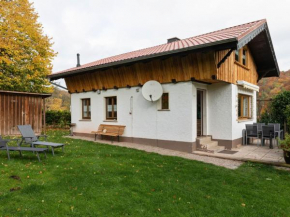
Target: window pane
[165,101]
[111,107]
[237,55]
[86,108]
[245,106]
[244,57]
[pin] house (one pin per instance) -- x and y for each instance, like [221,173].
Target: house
[21,108]
[209,88]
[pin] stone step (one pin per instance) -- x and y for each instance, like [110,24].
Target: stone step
[207,145]
[213,150]
[211,144]
[204,139]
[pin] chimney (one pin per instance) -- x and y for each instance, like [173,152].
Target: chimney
[78,60]
[172,40]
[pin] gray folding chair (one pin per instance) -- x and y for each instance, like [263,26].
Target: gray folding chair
[29,137]
[4,147]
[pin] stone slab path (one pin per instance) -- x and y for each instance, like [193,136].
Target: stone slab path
[227,163]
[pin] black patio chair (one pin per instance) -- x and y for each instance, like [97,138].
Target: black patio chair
[259,128]
[268,132]
[4,147]
[251,132]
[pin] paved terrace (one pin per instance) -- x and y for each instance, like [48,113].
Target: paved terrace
[252,152]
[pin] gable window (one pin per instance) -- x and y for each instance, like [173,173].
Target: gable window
[237,55]
[165,101]
[86,108]
[111,108]
[244,106]
[245,57]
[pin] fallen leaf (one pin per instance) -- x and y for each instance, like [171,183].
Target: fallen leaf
[15,177]
[243,204]
[15,189]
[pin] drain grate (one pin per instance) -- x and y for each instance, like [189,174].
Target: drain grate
[227,152]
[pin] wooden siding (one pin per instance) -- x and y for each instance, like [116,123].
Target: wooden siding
[231,71]
[200,66]
[20,110]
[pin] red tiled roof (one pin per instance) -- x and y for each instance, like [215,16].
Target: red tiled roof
[236,32]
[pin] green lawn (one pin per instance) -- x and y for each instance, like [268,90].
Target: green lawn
[101,180]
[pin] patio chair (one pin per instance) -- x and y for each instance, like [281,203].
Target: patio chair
[4,147]
[278,131]
[29,137]
[268,132]
[251,132]
[259,128]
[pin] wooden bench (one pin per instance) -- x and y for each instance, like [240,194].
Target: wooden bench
[109,130]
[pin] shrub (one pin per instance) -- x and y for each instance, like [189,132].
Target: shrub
[58,118]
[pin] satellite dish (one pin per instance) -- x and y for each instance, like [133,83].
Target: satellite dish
[152,91]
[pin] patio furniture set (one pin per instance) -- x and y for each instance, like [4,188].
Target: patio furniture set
[262,132]
[29,137]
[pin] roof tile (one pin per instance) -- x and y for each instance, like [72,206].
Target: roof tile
[237,32]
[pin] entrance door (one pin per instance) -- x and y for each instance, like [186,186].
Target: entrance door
[200,112]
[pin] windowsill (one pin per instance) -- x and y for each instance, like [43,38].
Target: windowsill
[160,110]
[241,65]
[244,120]
[85,120]
[110,120]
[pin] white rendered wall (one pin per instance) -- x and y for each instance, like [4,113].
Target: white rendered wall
[220,111]
[145,121]
[223,120]
[237,125]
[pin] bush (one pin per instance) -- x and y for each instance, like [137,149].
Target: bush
[279,107]
[265,118]
[59,119]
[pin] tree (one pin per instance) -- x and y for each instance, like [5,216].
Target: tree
[280,107]
[25,52]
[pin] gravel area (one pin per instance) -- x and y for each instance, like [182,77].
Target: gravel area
[230,164]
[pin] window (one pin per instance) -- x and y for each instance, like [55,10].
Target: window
[111,108]
[237,55]
[86,108]
[244,109]
[244,57]
[165,101]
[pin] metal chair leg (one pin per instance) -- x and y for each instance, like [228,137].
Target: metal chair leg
[45,154]
[38,156]
[8,154]
[52,151]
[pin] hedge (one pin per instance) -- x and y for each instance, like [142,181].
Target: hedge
[58,118]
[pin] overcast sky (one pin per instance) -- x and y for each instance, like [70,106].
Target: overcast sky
[98,29]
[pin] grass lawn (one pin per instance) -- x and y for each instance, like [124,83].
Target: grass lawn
[100,180]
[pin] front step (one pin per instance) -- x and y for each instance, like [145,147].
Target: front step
[207,145]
